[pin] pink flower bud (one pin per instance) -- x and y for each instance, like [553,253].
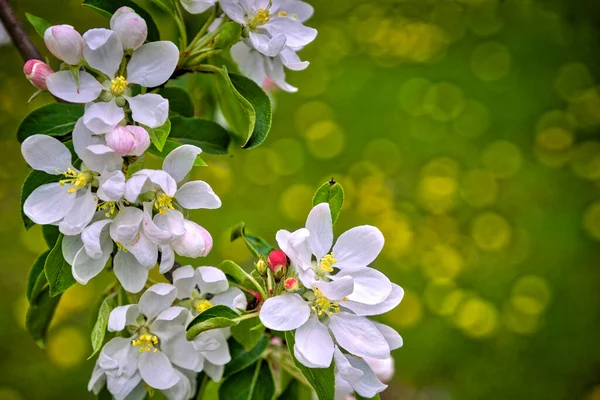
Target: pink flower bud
[130,27]
[37,71]
[142,140]
[121,140]
[276,258]
[291,284]
[65,43]
[195,242]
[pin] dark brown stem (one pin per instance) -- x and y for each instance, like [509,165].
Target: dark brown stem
[16,32]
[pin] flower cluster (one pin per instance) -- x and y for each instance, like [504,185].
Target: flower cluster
[339,291]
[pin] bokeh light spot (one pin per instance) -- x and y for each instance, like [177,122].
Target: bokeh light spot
[491,61]
[479,188]
[502,158]
[295,202]
[311,112]
[442,262]
[530,294]
[444,101]
[442,297]
[290,156]
[67,347]
[409,312]
[491,231]
[473,121]
[477,318]
[591,220]
[384,153]
[325,139]
[585,160]
[412,95]
[571,79]
[259,165]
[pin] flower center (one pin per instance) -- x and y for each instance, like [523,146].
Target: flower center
[322,304]
[327,263]
[76,179]
[111,208]
[118,85]
[163,202]
[202,305]
[261,17]
[146,342]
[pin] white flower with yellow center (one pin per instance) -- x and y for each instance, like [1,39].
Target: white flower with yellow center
[156,354]
[151,65]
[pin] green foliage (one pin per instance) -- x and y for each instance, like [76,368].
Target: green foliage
[321,379]
[37,269]
[159,135]
[108,8]
[57,270]
[228,36]
[211,137]
[40,313]
[39,24]
[51,234]
[253,383]
[242,358]
[99,329]
[359,397]
[215,317]
[34,180]
[180,101]
[136,165]
[296,391]
[165,5]
[248,333]
[237,274]
[262,106]
[55,119]
[257,245]
[330,192]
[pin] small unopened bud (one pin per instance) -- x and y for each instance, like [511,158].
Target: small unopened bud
[65,43]
[229,35]
[261,266]
[195,242]
[291,284]
[128,140]
[142,140]
[277,258]
[37,71]
[279,271]
[130,28]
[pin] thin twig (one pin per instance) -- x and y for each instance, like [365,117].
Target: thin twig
[16,32]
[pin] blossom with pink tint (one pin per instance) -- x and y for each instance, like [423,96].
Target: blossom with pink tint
[128,140]
[130,28]
[195,242]
[37,71]
[65,43]
[291,284]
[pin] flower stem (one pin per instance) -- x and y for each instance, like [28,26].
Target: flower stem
[16,32]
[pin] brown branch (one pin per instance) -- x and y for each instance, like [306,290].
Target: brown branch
[16,32]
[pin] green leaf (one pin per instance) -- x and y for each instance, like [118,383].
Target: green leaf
[245,335]
[159,134]
[296,391]
[165,5]
[55,119]
[359,397]
[242,358]
[262,106]
[37,269]
[228,36]
[237,274]
[330,192]
[51,234]
[58,271]
[99,329]
[108,8]
[40,314]
[171,145]
[215,317]
[321,379]
[34,180]
[39,24]
[211,137]
[136,166]
[257,245]
[180,101]
[253,383]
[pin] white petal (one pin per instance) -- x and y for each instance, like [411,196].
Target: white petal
[275,72]
[197,6]
[314,342]
[149,109]
[320,226]
[143,250]
[153,63]
[297,35]
[267,45]
[97,381]
[391,336]
[70,247]
[62,85]
[345,369]
[171,221]
[358,336]
[179,162]
[215,372]
[126,225]
[298,9]
[368,386]
[103,50]
[80,215]
[220,355]
[233,298]
[234,10]
[136,185]
[250,62]
[390,303]
[358,247]
[102,117]
[170,323]
[284,313]
[196,242]
[184,279]
[49,203]
[112,186]
[182,353]
[211,280]
[336,289]
[164,228]
[85,268]
[207,341]
[45,153]
[290,59]
[131,274]
[370,285]
[93,151]
[383,369]
[296,246]
[156,299]
[122,316]
[161,179]
[93,236]
[197,194]
[157,371]
[167,259]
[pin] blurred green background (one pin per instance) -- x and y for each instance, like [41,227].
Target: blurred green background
[465,130]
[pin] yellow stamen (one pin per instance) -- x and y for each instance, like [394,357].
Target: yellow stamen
[323,305]
[203,305]
[282,13]
[111,208]
[146,342]
[261,17]
[118,85]
[326,263]
[163,202]
[76,179]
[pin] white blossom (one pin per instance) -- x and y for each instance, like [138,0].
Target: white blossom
[197,6]
[65,43]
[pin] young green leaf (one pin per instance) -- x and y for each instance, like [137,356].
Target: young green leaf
[108,8]
[171,145]
[257,245]
[136,166]
[321,379]
[40,314]
[165,5]
[99,329]
[51,234]
[262,106]
[58,271]
[237,274]
[211,137]
[180,101]
[39,24]
[359,397]
[245,335]
[215,317]
[253,383]
[330,192]
[55,119]
[242,358]
[37,269]
[296,391]
[34,180]
[159,135]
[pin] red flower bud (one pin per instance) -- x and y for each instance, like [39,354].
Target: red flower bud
[291,284]
[277,258]
[37,71]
